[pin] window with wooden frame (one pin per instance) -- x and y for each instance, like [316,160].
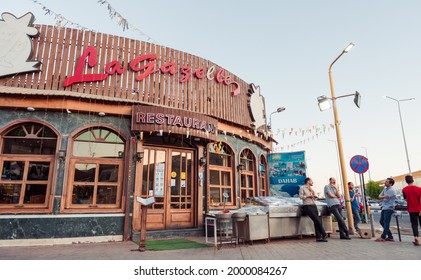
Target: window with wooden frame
[248,175]
[27,161]
[263,182]
[96,171]
[221,191]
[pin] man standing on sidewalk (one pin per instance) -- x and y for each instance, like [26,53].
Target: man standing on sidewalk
[355,206]
[412,194]
[308,196]
[332,199]
[388,197]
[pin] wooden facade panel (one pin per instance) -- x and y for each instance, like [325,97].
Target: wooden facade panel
[182,217]
[59,59]
[61,49]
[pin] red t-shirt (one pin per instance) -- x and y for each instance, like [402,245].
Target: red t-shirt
[412,194]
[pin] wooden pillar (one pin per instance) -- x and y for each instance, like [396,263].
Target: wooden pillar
[143,215]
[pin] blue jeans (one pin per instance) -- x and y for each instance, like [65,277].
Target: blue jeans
[385,218]
[337,212]
[357,218]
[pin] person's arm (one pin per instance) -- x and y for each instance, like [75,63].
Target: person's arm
[301,193]
[332,195]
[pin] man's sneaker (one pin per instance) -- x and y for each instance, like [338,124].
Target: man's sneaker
[380,240]
[389,239]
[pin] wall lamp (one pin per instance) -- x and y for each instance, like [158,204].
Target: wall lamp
[139,156]
[202,161]
[62,155]
[324,101]
[241,167]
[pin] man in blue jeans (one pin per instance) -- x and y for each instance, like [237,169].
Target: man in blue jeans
[387,197]
[353,194]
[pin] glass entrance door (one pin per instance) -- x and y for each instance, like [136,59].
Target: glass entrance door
[168,176]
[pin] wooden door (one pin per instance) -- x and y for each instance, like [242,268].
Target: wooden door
[168,176]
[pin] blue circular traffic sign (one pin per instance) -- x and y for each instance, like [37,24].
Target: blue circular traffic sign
[359,164]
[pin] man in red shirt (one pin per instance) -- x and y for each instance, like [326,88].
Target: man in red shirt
[412,194]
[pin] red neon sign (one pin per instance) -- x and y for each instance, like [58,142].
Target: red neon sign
[147,68]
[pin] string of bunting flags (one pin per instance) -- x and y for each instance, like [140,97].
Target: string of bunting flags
[61,21]
[313,133]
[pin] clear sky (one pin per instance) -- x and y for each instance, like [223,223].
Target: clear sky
[286,48]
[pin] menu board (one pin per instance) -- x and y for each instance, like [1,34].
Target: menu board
[159,179]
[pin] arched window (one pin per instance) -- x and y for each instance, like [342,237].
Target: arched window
[221,190]
[26,160]
[96,170]
[247,169]
[263,182]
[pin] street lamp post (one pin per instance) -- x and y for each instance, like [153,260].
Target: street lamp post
[403,132]
[280,109]
[340,149]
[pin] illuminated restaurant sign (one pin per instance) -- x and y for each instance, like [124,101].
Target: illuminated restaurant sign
[150,118]
[146,65]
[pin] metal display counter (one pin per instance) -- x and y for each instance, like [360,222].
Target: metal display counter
[287,221]
[272,218]
[256,228]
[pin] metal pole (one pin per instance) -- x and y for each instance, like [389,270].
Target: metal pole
[340,150]
[364,196]
[404,140]
[366,155]
[403,132]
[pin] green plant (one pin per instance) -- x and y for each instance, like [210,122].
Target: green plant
[373,189]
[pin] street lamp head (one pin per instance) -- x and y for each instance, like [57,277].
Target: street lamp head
[357,99]
[280,109]
[349,47]
[323,102]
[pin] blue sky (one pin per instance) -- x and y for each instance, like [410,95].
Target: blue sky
[286,48]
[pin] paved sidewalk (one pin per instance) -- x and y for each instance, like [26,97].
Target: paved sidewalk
[276,249]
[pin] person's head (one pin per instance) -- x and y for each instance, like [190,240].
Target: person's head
[409,179]
[350,185]
[332,181]
[389,182]
[308,181]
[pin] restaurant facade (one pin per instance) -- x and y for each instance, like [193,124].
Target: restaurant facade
[90,122]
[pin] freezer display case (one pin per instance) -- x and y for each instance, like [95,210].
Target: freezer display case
[273,217]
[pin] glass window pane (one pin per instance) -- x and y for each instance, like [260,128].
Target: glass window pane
[37,146]
[112,137]
[108,173]
[145,172]
[214,177]
[82,194]
[38,171]
[86,136]
[85,172]
[215,195]
[227,197]
[220,160]
[35,194]
[97,149]
[250,181]
[243,181]
[226,178]
[152,172]
[106,195]
[13,170]
[9,193]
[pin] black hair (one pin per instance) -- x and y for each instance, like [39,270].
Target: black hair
[409,179]
[392,182]
[306,180]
